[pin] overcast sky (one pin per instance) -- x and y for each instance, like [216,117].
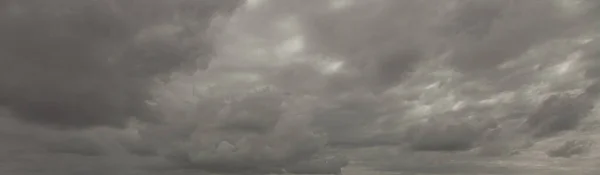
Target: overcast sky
[353,87]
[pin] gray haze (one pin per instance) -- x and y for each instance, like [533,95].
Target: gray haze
[355,87]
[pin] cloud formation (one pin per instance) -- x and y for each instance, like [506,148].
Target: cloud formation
[81,64]
[297,86]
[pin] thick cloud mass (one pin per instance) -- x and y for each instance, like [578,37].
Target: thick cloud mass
[126,87]
[77,64]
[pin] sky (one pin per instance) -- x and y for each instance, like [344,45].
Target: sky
[353,87]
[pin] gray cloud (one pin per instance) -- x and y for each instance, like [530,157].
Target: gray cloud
[443,137]
[571,148]
[256,132]
[511,29]
[77,146]
[79,64]
[460,86]
[381,42]
[482,35]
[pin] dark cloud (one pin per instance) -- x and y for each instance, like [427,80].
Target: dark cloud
[559,113]
[384,46]
[481,34]
[328,165]
[256,113]
[443,136]
[346,121]
[300,87]
[77,146]
[77,64]
[380,43]
[591,58]
[139,148]
[258,131]
[509,29]
[475,18]
[571,148]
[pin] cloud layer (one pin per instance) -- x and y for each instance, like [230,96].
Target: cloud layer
[297,86]
[80,64]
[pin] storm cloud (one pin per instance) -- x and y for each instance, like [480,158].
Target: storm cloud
[298,86]
[78,64]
